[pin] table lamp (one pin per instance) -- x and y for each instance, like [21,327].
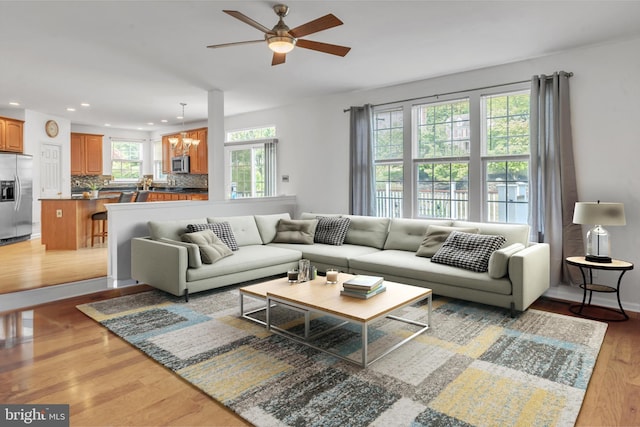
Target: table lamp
[598,214]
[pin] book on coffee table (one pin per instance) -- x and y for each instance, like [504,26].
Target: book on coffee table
[363,282]
[363,294]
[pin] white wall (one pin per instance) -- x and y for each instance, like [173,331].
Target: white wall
[109,133]
[605,94]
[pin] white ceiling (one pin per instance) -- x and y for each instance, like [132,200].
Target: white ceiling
[135,61]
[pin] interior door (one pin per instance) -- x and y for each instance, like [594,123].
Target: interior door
[50,170]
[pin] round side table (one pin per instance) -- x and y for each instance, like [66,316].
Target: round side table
[586,269]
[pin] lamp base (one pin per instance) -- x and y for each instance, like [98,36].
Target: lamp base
[596,258]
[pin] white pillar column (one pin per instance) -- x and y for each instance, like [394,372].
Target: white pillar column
[215,144]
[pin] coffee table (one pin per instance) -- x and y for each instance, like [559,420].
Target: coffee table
[315,296]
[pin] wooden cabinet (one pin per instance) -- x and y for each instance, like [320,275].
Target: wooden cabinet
[166,196]
[198,155]
[11,135]
[86,154]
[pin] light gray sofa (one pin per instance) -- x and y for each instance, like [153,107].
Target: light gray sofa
[376,246]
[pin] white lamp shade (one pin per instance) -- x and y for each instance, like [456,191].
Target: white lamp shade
[598,213]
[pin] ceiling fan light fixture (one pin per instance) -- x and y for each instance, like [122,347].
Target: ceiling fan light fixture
[281,44]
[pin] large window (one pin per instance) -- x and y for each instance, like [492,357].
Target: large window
[465,157]
[250,163]
[126,160]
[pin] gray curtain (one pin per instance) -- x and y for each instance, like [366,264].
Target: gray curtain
[361,173]
[270,168]
[553,177]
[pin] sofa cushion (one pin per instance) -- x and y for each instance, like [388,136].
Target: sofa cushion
[193,251]
[267,225]
[212,249]
[221,229]
[244,229]
[331,230]
[329,256]
[171,229]
[407,234]
[296,231]
[468,251]
[499,260]
[367,231]
[513,233]
[247,258]
[435,237]
[311,215]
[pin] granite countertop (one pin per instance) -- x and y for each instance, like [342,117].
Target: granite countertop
[80,198]
[120,188]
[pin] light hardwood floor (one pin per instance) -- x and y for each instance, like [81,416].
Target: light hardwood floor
[74,360]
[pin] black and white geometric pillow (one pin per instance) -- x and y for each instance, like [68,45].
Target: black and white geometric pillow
[331,230]
[221,229]
[468,251]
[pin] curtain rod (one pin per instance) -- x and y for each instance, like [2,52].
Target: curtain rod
[569,74]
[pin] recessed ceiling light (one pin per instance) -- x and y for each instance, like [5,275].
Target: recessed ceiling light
[164,121]
[179,117]
[150,123]
[107,124]
[139,128]
[84,104]
[14,103]
[71,109]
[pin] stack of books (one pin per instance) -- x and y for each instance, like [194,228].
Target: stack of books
[363,287]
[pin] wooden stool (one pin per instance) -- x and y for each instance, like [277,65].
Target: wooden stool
[99,221]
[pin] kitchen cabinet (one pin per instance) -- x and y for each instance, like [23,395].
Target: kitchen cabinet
[11,135]
[198,155]
[166,196]
[86,154]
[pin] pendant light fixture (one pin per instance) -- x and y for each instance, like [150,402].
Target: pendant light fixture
[183,140]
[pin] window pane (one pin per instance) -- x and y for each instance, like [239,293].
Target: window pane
[443,130]
[507,191]
[507,124]
[389,190]
[252,134]
[443,190]
[388,135]
[126,160]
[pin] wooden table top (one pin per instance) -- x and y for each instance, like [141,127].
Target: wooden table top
[318,295]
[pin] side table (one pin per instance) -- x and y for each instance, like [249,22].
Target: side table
[587,267]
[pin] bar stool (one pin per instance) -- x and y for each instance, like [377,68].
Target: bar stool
[99,219]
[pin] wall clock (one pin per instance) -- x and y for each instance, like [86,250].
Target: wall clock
[51,127]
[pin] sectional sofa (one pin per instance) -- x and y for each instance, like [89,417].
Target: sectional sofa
[518,270]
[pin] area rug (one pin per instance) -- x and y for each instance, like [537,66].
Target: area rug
[476,366]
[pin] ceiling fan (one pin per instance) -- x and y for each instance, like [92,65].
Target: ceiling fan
[281,40]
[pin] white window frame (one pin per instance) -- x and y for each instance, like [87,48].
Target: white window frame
[141,161]
[477,158]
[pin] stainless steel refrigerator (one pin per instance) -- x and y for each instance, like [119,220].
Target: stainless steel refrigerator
[16,197]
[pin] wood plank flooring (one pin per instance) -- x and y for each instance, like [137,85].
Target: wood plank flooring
[26,265]
[74,360]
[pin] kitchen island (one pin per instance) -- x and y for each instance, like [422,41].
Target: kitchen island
[66,222]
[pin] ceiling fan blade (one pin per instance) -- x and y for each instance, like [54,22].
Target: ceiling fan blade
[320,24]
[244,18]
[333,49]
[215,46]
[278,58]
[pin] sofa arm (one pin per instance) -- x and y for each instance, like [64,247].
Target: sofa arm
[529,271]
[158,264]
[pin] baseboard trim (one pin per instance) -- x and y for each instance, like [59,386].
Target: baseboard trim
[569,293]
[32,297]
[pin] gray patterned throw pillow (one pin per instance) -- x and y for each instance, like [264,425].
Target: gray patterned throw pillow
[221,229]
[468,251]
[331,230]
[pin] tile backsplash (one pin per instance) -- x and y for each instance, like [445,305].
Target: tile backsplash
[175,180]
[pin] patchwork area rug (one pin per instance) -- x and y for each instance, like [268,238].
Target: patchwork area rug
[476,366]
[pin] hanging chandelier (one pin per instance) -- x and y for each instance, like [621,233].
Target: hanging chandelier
[183,140]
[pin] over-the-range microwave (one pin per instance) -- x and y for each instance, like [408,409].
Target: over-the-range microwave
[180,164]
